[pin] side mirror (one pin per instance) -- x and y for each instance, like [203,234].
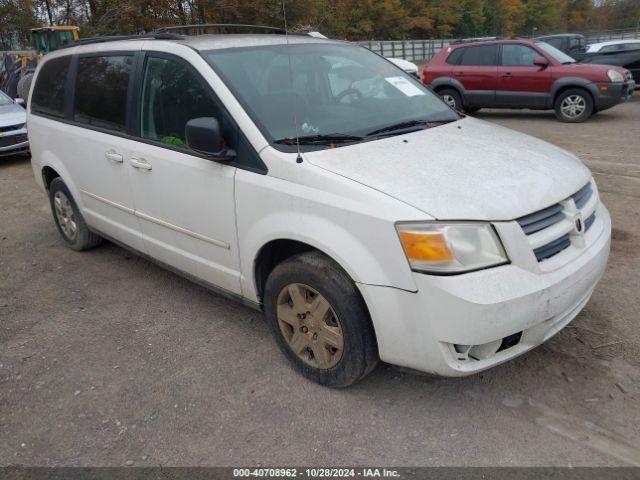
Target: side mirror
[204,135]
[541,61]
[19,101]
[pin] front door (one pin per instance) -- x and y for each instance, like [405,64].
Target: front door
[520,82]
[184,202]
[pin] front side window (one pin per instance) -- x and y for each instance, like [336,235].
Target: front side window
[101,91]
[172,94]
[484,55]
[560,56]
[323,89]
[49,90]
[518,55]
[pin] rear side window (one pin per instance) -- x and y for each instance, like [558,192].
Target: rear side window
[456,55]
[483,55]
[518,55]
[48,92]
[172,94]
[101,91]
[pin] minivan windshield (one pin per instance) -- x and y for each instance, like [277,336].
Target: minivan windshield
[559,55]
[336,93]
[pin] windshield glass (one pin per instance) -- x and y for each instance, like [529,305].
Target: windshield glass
[555,53]
[4,100]
[330,89]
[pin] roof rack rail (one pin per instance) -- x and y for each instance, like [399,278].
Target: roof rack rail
[475,39]
[113,38]
[206,26]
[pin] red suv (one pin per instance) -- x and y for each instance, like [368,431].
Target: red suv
[521,73]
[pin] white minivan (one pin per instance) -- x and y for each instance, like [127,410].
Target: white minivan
[316,181]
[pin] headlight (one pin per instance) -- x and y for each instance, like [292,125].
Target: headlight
[615,76]
[442,247]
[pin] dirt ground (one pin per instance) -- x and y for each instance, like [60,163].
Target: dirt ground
[106,359]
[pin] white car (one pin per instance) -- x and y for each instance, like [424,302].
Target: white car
[409,67]
[614,46]
[366,218]
[13,127]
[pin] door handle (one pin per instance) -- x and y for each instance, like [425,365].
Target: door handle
[113,156]
[459,74]
[508,74]
[140,163]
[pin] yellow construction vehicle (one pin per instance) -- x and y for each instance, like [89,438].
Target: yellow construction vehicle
[16,71]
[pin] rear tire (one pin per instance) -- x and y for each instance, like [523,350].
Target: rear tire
[69,220]
[573,106]
[320,320]
[452,98]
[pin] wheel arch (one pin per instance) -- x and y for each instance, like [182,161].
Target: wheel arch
[441,83]
[563,84]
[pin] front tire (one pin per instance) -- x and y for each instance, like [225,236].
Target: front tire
[69,220]
[573,106]
[320,320]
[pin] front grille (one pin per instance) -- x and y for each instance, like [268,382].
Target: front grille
[12,139]
[549,230]
[9,128]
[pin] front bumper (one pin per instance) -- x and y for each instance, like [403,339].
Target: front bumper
[607,95]
[430,329]
[14,142]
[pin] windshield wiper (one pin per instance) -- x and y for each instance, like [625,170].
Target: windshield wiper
[397,126]
[320,139]
[408,124]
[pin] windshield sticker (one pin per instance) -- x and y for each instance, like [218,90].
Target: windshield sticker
[405,86]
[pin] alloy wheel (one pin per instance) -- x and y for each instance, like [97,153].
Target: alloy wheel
[573,106]
[310,326]
[449,100]
[64,214]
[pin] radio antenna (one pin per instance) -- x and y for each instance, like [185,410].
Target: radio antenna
[295,116]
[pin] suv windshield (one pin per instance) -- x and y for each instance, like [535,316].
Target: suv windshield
[560,56]
[339,93]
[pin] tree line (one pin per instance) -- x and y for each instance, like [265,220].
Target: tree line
[345,19]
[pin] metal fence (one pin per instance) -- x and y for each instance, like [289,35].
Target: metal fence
[412,50]
[423,50]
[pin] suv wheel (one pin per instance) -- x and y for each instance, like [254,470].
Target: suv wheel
[320,321]
[68,218]
[452,98]
[573,106]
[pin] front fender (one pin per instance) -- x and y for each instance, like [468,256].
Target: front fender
[358,233]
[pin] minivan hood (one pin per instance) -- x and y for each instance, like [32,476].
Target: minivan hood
[465,170]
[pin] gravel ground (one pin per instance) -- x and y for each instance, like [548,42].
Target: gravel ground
[106,359]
